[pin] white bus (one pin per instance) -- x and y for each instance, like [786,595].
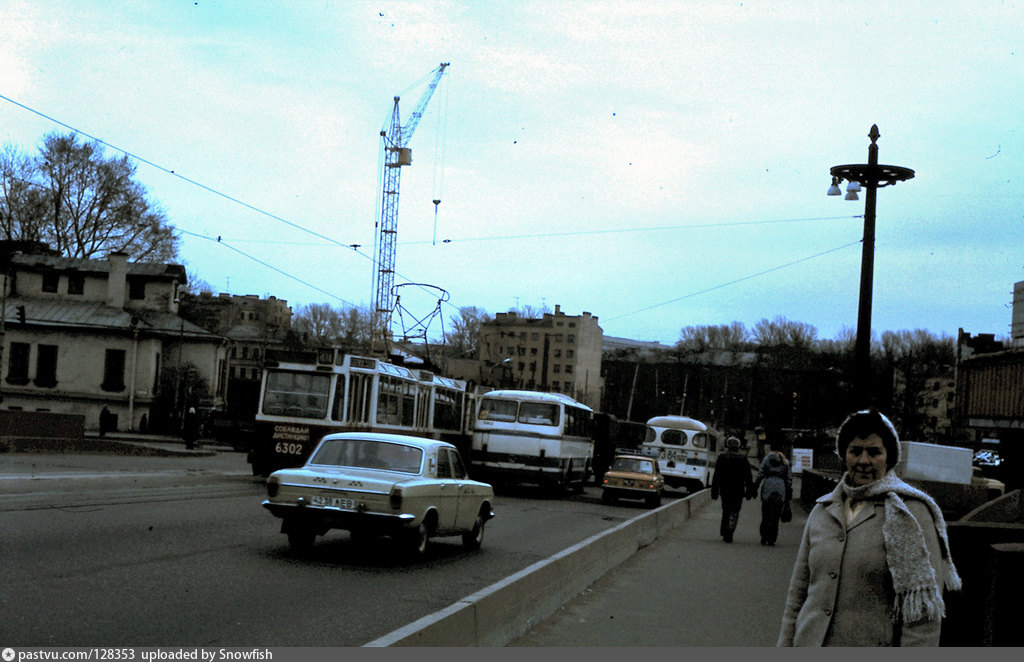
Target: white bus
[532,437]
[686,449]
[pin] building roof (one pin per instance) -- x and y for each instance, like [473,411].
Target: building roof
[91,266]
[93,315]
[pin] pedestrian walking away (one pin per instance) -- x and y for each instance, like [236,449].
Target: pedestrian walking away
[776,483]
[731,482]
[874,558]
[191,428]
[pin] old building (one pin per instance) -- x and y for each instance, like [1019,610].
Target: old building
[556,353]
[253,326]
[83,336]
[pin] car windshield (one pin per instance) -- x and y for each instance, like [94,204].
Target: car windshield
[368,454]
[633,465]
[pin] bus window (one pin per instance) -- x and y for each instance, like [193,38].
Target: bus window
[538,413]
[673,437]
[650,436]
[700,440]
[296,394]
[498,410]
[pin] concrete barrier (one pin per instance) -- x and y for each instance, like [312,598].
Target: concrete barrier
[506,610]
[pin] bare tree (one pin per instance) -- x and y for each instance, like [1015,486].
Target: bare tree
[319,323]
[731,337]
[782,332]
[464,337]
[81,203]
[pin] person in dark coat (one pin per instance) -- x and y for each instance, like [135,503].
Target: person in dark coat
[191,428]
[776,484]
[731,481]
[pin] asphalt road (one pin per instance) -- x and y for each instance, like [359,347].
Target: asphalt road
[102,551]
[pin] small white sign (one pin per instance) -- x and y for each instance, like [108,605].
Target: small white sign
[803,458]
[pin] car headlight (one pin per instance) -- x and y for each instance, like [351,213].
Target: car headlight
[273,486]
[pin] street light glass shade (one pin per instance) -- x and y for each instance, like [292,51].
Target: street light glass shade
[853,187]
[851,195]
[834,189]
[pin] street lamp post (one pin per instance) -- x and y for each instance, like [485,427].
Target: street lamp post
[872,177]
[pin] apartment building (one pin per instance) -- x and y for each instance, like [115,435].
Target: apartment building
[555,353]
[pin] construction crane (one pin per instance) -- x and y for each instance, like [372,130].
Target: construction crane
[396,154]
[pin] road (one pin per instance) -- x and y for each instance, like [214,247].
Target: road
[178,552]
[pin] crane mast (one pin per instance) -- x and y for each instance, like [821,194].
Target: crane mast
[396,154]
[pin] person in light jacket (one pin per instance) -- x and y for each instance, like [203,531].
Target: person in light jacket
[874,559]
[776,484]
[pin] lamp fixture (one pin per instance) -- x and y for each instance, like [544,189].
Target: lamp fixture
[834,189]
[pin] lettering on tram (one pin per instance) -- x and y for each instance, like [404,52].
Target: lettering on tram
[306,395]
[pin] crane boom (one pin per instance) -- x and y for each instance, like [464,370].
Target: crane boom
[396,154]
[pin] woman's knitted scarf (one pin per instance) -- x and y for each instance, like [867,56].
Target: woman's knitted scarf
[918,595]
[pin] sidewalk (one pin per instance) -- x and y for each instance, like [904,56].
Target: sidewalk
[688,588]
[122,443]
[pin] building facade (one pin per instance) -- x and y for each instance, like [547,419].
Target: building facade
[86,336]
[253,326]
[557,353]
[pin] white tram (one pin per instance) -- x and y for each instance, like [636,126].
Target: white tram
[308,395]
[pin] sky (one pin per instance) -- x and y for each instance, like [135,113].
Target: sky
[658,164]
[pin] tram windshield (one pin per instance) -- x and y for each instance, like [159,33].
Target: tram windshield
[300,394]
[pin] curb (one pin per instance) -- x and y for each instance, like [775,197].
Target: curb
[506,610]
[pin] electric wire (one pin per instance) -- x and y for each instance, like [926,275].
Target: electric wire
[733,282]
[355,247]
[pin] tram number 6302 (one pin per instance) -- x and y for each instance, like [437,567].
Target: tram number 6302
[288,449]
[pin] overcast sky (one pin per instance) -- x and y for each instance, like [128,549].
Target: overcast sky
[657,164]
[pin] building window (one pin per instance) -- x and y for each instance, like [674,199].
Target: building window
[572,338]
[534,336]
[76,284]
[46,366]
[113,370]
[136,289]
[17,366]
[558,353]
[570,353]
[50,282]
[557,369]
[558,337]
[568,369]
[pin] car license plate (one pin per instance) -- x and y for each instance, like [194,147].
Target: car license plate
[334,502]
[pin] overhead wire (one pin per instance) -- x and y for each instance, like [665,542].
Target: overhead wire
[355,247]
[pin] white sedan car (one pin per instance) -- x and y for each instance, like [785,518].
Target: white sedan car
[408,488]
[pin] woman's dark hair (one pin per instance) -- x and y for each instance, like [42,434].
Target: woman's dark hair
[861,425]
